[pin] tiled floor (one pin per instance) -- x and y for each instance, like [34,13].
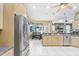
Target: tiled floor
[36,49]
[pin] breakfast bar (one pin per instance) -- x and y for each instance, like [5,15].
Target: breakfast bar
[49,39]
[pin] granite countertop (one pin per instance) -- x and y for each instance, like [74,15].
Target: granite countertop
[53,34]
[57,34]
[4,49]
[75,35]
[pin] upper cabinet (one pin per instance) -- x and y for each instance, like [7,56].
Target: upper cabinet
[20,9]
[75,25]
[76,17]
[76,22]
[1,16]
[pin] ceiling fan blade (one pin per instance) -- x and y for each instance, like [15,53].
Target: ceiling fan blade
[55,6]
[58,10]
[69,7]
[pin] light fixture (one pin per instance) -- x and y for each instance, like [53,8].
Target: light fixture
[74,7]
[60,21]
[34,7]
[47,7]
[63,6]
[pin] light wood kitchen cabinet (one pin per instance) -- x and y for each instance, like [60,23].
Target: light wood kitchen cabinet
[55,40]
[46,40]
[1,16]
[7,13]
[9,53]
[75,41]
[75,24]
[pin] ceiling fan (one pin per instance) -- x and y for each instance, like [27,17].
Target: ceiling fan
[64,6]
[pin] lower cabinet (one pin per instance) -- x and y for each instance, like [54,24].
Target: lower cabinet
[9,53]
[57,40]
[75,41]
[46,40]
[75,24]
[52,40]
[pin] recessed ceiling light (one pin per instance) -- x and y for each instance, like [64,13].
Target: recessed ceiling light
[33,6]
[48,7]
[60,20]
[74,7]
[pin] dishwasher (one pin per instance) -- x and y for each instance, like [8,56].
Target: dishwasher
[67,40]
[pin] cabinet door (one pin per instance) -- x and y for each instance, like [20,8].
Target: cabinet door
[46,40]
[57,40]
[75,41]
[1,16]
[75,24]
[49,40]
[60,40]
[53,40]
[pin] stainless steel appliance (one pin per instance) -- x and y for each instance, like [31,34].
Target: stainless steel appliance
[21,41]
[67,39]
[67,34]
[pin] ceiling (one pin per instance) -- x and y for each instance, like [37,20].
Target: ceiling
[43,11]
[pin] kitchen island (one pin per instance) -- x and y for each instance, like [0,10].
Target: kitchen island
[49,39]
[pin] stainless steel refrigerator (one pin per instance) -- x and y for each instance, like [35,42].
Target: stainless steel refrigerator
[21,40]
